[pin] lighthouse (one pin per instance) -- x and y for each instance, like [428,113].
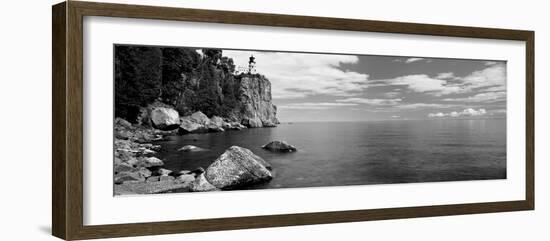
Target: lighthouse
[252,65]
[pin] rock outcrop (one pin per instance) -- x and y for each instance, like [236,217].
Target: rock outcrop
[165,118]
[189,126]
[237,167]
[254,107]
[135,171]
[279,146]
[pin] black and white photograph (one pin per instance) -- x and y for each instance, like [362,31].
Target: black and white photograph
[193,119]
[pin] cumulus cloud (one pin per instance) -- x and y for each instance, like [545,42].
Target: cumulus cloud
[490,79]
[481,97]
[422,83]
[298,75]
[465,112]
[314,105]
[494,75]
[370,101]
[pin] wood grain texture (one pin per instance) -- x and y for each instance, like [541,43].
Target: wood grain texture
[67,153]
[59,192]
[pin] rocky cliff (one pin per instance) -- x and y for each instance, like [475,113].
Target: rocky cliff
[254,107]
[189,80]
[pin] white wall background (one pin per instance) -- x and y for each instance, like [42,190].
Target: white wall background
[25,122]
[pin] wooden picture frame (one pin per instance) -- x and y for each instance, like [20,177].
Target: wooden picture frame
[67,124]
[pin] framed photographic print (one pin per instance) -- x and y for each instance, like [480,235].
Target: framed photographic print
[217,120]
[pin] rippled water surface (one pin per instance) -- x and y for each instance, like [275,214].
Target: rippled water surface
[353,153]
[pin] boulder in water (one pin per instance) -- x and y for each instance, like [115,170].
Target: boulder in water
[214,128]
[279,146]
[237,167]
[191,148]
[188,126]
[165,118]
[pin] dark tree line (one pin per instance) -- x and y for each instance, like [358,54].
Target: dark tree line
[181,77]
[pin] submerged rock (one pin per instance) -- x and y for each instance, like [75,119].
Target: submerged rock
[165,118]
[191,148]
[279,146]
[237,167]
[201,184]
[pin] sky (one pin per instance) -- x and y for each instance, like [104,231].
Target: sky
[331,87]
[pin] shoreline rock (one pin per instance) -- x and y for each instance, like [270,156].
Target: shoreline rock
[201,184]
[136,171]
[237,167]
[279,146]
[165,118]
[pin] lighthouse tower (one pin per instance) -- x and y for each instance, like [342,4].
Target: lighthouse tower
[252,65]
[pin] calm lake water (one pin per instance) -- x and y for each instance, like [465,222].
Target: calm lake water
[355,153]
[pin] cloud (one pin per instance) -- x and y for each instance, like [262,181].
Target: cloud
[424,105]
[298,75]
[314,105]
[447,75]
[465,112]
[371,101]
[481,97]
[411,60]
[422,83]
[490,79]
[392,94]
[494,75]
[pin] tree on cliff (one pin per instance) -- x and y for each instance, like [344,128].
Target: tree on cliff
[181,77]
[137,79]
